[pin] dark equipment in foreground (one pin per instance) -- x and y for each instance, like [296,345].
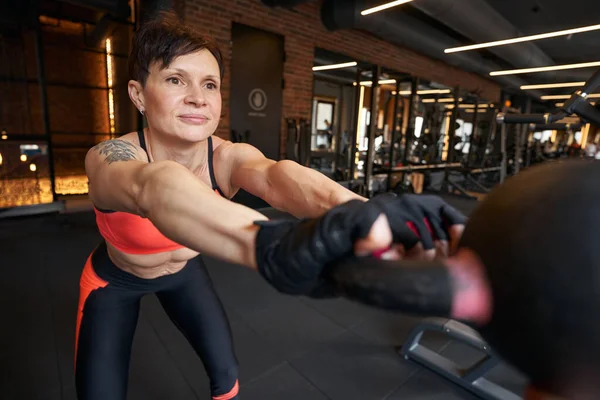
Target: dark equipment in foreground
[545,289]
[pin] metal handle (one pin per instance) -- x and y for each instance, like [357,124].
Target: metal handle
[530,118]
[523,118]
[588,112]
[592,84]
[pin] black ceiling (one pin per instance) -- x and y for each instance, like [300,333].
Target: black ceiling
[531,17]
[539,16]
[433,21]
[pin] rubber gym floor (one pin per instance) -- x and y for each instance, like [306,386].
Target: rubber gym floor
[288,348]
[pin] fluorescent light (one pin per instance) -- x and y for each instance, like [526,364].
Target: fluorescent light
[568,96]
[552,85]
[593,96]
[562,104]
[381,82]
[424,92]
[451,106]
[434,91]
[472,111]
[556,97]
[544,69]
[384,7]
[447,100]
[335,66]
[524,39]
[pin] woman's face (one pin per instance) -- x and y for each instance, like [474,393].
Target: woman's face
[184,99]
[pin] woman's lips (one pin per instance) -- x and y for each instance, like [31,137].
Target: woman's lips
[194,119]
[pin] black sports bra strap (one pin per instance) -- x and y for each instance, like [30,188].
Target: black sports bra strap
[211,170]
[142,140]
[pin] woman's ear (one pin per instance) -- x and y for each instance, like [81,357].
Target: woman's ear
[136,94]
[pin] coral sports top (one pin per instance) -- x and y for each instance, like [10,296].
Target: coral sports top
[133,234]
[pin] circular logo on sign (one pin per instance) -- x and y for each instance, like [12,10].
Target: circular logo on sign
[257,99]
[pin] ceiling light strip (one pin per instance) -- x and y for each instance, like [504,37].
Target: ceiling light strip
[567,96]
[545,69]
[524,39]
[335,66]
[384,7]
[552,85]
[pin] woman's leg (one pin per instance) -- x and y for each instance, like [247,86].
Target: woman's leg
[106,321]
[194,307]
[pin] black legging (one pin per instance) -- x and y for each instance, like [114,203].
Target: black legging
[109,306]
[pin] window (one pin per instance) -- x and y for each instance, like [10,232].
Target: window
[418,126]
[323,116]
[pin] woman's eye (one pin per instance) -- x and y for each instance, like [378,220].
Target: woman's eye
[211,85]
[174,81]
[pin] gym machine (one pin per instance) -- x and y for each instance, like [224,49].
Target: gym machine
[477,165]
[405,185]
[427,168]
[472,378]
[534,153]
[495,145]
[576,105]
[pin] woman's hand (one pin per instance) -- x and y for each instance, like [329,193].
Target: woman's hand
[419,227]
[293,255]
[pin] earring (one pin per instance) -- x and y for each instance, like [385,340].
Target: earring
[141,111]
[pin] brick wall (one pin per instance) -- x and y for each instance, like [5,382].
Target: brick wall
[19,101]
[76,91]
[303,31]
[75,80]
[82,105]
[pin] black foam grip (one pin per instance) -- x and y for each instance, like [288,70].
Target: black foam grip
[412,287]
[592,84]
[524,119]
[588,112]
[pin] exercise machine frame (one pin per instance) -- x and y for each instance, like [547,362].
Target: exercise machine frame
[471,378]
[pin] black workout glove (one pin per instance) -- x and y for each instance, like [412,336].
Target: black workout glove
[418,218]
[293,256]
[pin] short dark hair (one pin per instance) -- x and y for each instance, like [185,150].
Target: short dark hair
[163,39]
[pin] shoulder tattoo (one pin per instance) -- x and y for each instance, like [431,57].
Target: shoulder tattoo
[116,150]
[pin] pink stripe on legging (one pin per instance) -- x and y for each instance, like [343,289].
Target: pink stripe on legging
[229,395]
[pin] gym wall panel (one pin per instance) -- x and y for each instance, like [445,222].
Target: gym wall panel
[255,77]
[303,31]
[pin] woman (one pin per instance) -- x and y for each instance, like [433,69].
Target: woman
[161,198]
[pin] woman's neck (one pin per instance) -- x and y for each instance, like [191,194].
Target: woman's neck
[193,156]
